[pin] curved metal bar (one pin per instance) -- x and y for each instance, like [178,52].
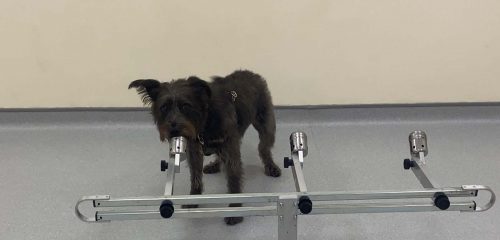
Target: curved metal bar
[86,199]
[483,188]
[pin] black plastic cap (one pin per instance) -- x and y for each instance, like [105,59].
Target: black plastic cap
[441,201]
[305,205]
[407,164]
[166,209]
[164,165]
[287,162]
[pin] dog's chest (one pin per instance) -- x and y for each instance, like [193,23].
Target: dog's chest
[215,133]
[211,145]
[212,138]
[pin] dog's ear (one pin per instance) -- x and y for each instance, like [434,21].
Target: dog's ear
[200,88]
[147,88]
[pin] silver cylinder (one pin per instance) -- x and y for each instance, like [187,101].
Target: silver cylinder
[298,142]
[177,145]
[418,143]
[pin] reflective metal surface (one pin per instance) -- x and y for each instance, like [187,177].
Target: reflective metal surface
[418,143]
[298,142]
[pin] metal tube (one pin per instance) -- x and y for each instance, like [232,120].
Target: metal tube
[178,145]
[298,142]
[190,199]
[418,143]
[273,197]
[418,170]
[374,195]
[286,211]
[178,148]
[177,163]
[82,217]
[387,207]
[478,188]
[169,186]
[187,213]
[177,154]
[298,176]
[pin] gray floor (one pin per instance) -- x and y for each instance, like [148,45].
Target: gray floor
[50,159]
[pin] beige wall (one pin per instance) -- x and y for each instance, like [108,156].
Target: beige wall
[69,53]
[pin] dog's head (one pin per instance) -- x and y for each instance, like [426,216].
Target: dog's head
[179,107]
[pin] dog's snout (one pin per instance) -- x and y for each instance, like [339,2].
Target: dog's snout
[175,133]
[174,129]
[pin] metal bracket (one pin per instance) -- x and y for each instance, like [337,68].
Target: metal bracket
[287,217]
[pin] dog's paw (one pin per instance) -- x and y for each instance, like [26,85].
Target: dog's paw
[213,167]
[233,220]
[272,170]
[190,206]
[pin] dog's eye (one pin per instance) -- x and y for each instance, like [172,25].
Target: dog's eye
[164,108]
[186,106]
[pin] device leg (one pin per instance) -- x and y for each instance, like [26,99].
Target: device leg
[287,217]
[418,170]
[177,155]
[169,186]
[298,176]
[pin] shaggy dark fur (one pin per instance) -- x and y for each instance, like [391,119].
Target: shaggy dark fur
[214,116]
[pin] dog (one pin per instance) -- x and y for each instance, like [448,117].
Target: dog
[213,117]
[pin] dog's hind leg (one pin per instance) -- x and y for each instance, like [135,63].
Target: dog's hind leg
[212,167]
[265,124]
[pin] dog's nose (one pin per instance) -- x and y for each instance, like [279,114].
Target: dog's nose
[174,129]
[175,133]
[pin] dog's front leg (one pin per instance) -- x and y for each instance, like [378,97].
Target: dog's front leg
[195,162]
[231,157]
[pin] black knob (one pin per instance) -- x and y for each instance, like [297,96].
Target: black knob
[287,162]
[305,205]
[166,209]
[407,164]
[441,201]
[164,165]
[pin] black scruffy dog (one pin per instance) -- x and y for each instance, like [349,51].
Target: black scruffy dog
[214,116]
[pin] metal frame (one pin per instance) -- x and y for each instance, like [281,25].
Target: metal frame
[288,206]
